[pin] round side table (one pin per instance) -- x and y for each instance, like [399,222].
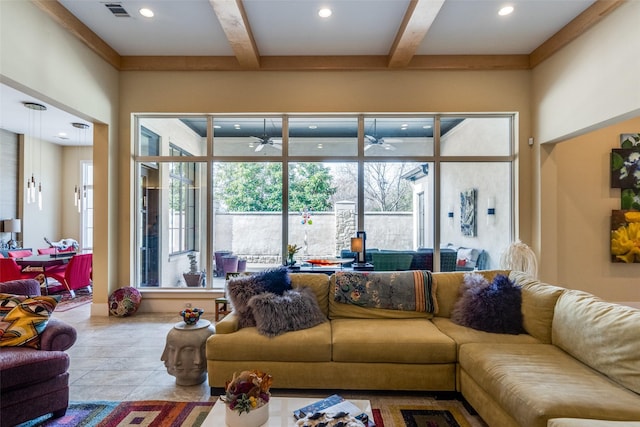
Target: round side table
[184,353]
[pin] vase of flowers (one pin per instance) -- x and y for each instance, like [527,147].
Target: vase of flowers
[246,399]
[291,251]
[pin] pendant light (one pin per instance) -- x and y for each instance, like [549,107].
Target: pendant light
[31,184]
[78,193]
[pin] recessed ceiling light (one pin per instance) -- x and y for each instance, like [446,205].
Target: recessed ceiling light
[217,127]
[146,12]
[426,127]
[319,145]
[313,127]
[505,10]
[325,12]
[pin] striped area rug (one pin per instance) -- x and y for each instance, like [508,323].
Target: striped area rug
[140,413]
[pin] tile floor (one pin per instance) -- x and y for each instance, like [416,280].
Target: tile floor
[119,358]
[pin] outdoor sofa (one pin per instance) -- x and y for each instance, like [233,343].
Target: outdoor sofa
[577,358]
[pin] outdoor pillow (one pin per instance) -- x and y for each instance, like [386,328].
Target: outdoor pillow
[467,257]
[490,307]
[292,311]
[23,318]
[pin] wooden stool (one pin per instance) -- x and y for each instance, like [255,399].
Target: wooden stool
[222,308]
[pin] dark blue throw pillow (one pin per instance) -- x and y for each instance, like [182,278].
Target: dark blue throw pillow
[275,280]
[491,307]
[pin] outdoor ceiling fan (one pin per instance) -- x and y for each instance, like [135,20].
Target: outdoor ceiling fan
[374,141]
[267,140]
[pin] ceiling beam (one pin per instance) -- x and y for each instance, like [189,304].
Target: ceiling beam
[415,25]
[234,22]
[580,24]
[67,20]
[325,63]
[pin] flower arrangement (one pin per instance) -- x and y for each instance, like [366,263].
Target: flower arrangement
[291,251]
[247,391]
[191,315]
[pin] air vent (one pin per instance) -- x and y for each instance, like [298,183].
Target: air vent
[117,10]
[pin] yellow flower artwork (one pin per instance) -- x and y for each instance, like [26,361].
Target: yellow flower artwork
[625,236]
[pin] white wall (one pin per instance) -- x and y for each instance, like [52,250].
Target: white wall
[591,82]
[42,59]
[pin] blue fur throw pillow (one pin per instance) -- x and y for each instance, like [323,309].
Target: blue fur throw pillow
[275,280]
[490,307]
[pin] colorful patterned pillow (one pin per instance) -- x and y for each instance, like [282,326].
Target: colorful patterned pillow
[23,318]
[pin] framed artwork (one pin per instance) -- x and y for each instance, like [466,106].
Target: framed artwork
[468,212]
[625,168]
[625,232]
[630,199]
[629,140]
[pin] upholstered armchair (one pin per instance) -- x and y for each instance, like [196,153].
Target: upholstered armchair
[35,382]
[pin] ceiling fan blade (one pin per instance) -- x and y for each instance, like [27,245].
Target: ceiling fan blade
[368,146]
[276,141]
[257,138]
[259,147]
[277,146]
[370,139]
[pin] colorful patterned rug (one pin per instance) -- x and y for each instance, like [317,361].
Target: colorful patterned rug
[83,296]
[149,413]
[440,414]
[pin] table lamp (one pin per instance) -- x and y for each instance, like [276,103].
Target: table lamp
[12,226]
[359,246]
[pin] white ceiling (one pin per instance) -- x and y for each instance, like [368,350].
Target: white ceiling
[293,28]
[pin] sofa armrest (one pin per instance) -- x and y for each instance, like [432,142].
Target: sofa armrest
[58,335]
[228,325]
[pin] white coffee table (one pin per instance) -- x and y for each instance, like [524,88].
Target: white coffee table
[280,411]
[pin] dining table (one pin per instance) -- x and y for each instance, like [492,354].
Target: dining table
[46,263]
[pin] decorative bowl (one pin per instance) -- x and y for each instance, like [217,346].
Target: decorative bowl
[254,418]
[191,315]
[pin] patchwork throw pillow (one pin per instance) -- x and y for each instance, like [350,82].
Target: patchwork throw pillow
[490,307]
[240,289]
[24,318]
[292,311]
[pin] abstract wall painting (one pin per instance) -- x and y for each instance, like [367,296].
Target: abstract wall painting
[468,212]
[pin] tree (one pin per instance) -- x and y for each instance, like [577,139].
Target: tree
[310,187]
[249,187]
[257,187]
[384,188]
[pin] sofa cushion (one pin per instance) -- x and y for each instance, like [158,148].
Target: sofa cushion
[463,335]
[538,303]
[490,307]
[21,366]
[318,283]
[581,422]
[306,345]
[610,343]
[403,341]
[294,310]
[23,319]
[537,382]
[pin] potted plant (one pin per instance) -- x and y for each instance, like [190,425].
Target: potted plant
[193,277]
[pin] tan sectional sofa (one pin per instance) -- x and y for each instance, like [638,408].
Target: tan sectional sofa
[579,357]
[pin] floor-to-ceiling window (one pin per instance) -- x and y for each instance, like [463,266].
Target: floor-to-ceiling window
[243,187]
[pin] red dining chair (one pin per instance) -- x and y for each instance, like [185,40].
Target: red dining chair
[77,275]
[52,250]
[10,270]
[20,253]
